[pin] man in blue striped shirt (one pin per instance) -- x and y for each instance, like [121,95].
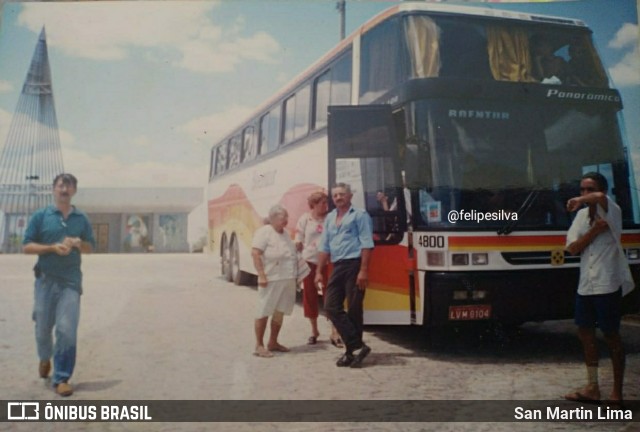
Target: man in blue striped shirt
[347,240]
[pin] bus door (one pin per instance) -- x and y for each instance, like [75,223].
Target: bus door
[364,153]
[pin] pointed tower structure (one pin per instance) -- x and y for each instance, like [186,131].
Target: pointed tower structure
[32,155]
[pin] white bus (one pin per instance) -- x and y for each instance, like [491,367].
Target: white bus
[477,124]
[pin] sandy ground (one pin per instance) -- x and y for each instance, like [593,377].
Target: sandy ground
[165,327]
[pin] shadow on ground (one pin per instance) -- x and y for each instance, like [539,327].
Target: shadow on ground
[94,386]
[474,342]
[553,341]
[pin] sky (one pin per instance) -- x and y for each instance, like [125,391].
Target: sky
[144,89]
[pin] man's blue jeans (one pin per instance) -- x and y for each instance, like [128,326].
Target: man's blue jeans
[56,304]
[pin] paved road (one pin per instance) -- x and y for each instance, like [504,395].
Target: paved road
[167,327]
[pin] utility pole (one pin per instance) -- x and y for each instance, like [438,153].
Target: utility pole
[341,6]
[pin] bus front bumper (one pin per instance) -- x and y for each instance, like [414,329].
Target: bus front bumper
[509,297]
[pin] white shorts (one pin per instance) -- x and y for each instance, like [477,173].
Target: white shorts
[276,296]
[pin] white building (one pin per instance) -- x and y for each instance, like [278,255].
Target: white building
[144,219]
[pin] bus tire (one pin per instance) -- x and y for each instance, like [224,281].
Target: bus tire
[225,259]
[238,276]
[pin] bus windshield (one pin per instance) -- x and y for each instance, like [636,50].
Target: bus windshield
[502,50]
[492,156]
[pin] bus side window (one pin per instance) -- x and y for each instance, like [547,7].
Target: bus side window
[383,60]
[249,147]
[212,165]
[235,149]
[288,127]
[296,115]
[273,140]
[263,133]
[303,108]
[321,95]
[341,81]
[221,158]
[269,133]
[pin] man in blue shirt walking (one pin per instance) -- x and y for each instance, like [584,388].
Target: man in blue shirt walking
[347,240]
[58,234]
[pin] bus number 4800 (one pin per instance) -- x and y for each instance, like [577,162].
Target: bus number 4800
[431,241]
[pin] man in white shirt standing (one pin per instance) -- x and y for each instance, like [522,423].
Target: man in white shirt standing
[595,236]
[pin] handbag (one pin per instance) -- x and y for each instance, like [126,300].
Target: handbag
[303,268]
[626,278]
[627,283]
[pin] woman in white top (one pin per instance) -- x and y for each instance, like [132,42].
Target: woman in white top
[308,233]
[274,256]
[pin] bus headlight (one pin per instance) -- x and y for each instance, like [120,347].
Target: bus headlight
[633,254]
[435,258]
[460,295]
[479,295]
[480,259]
[459,259]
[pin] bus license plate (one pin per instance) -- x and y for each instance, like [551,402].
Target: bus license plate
[469,312]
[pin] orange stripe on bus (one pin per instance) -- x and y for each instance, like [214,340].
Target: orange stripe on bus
[631,240]
[529,242]
[544,241]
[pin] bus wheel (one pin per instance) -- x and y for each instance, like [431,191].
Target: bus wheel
[225,260]
[237,276]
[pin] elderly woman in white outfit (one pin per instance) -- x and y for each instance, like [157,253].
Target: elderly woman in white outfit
[274,256]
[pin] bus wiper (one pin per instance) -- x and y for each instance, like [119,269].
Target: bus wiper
[524,208]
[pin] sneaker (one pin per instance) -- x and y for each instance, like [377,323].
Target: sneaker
[345,360]
[357,359]
[44,368]
[64,389]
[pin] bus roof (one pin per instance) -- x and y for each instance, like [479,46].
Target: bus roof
[487,12]
[404,7]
